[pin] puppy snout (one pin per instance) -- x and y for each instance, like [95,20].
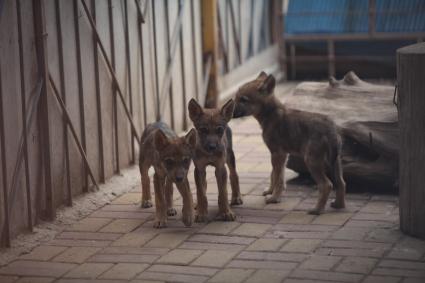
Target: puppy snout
[179,179]
[212,146]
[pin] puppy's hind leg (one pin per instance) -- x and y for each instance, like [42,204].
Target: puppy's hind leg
[339,184]
[324,185]
[146,190]
[277,178]
[234,179]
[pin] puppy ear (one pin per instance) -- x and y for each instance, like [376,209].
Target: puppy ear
[262,75]
[267,86]
[190,138]
[227,110]
[195,110]
[161,140]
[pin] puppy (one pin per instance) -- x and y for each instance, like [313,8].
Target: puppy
[214,147]
[286,131]
[170,156]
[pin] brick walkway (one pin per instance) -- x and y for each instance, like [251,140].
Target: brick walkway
[267,243]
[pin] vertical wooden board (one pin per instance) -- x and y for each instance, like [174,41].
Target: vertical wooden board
[12,112]
[102,22]
[135,65]
[176,71]
[233,59]
[258,14]
[121,73]
[198,51]
[148,51]
[90,103]
[59,170]
[31,81]
[246,19]
[71,86]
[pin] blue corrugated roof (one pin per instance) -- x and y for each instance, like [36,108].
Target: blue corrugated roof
[351,16]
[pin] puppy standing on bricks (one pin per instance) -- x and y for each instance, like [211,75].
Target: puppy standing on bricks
[170,156]
[286,131]
[214,147]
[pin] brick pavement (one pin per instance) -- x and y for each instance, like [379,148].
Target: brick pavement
[267,243]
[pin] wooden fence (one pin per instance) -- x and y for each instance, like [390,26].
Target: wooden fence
[79,80]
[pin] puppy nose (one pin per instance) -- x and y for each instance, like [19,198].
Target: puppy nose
[212,146]
[179,178]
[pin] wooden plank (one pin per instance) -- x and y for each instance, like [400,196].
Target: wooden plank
[210,49]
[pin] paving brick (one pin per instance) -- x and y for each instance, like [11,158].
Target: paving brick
[32,280]
[88,270]
[36,268]
[88,236]
[81,280]
[304,228]
[387,235]
[76,254]
[399,272]
[378,207]
[274,256]
[334,218]
[356,245]
[266,245]
[134,251]
[286,203]
[413,280]
[231,275]
[211,246]
[128,198]
[269,276]
[251,201]
[297,217]
[172,277]
[118,258]
[350,252]
[301,245]
[326,276]
[193,270]
[292,280]
[251,229]
[221,239]
[180,256]
[43,253]
[122,214]
[8,279]
[214,258]
[381,279]
[300,235]
[370,224]
[125,271]
[408,248]
[319,262]
[402,264]
[262,264]
[357,265]
[89,224]
[220,227]
[346,233]
[381,217]
[78,243]
[122,225]
[167,240]
[134,239]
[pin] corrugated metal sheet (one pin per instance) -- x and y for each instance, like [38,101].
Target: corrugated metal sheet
[351,16]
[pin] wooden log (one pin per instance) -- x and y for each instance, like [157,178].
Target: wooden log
[411,105]
[367,119]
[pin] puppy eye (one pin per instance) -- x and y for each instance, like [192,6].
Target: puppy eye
[219,130]
[203,130]
[243,99]
[186,160]
[169,162]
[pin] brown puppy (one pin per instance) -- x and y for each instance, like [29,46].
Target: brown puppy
[214,147]
[170,156]
[287,131]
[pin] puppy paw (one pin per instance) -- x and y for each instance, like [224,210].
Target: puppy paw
[201,218]
[337,205]
[171,211]
[158,224]
[187,219]
[146,203]
[315,211]
[267,192]
[226,216]
[236,200]
[272,199]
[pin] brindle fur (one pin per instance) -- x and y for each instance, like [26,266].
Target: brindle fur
[312,136]
[170,156]
[214,147]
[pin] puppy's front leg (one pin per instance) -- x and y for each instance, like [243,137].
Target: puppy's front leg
[161,206]
[186,194]
[201,194]
[171,211]
[277,182]
[225,213]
